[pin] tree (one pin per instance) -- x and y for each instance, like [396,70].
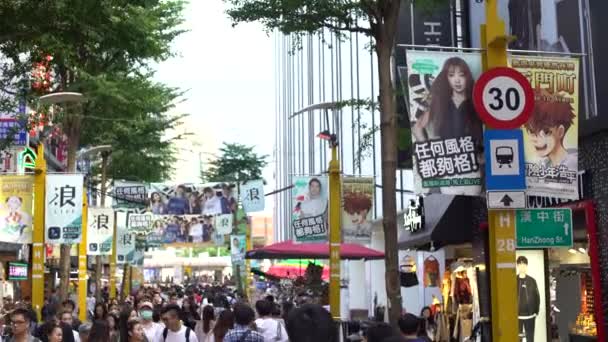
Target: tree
[87,40]
[237,163]
[376,19]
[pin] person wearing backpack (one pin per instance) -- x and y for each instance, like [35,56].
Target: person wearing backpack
[174,330]
[271,328]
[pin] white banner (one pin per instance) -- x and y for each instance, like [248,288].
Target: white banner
[252,195]
[63,214]
[100,231]
[125,246]
[223,224]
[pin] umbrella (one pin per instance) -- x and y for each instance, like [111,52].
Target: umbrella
[292,268]
[290,250]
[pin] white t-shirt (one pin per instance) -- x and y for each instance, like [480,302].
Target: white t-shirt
[270,329]
[179,336]
[76,336]
[153,331]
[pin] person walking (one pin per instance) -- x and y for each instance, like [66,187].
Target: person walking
[271,328]
[20,323]
[136,331]
[174,330]
[225,323]
[242,332]
[204,327]
[151,329]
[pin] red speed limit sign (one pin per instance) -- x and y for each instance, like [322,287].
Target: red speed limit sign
[503,98]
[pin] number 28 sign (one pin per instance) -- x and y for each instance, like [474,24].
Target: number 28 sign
[503,98]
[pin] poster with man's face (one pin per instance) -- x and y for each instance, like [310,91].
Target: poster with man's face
[532,313]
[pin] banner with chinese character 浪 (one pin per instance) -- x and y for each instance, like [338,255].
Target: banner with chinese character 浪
[63,212]
[16,209]
[551,134]
[125,245]
[223,224]
[100,231]
[358,199]
[129,195]
[252,195]
[446,131]
[309,215]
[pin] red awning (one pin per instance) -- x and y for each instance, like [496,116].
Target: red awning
[291,250]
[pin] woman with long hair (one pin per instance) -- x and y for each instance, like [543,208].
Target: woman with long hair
[127,313]
[224,323]
[451,111]
[428,327]
[135,331]
[190,313]
[112,321]
[100,332]
[157,206]
[204,327]
[100,311]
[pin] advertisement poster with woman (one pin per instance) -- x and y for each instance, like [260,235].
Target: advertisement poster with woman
[309,214]
[446,131]
[551,134]
[16,209]
[358,199]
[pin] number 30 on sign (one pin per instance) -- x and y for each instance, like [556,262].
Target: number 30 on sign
[503,98]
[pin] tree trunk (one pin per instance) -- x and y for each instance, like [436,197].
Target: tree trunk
[98,259]
[73,131]
[388,135]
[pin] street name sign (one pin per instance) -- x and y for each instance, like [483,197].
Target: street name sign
[544,228]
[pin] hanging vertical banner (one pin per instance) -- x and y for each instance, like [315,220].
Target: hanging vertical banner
[358,198]
[63,214]
[309,215]
[223,224]
[551,134]
[100,231]
[252,195]
[446,131]
[16,209]
[138,253]
[125,245]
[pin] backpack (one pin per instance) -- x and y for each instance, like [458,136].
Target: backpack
[166,332]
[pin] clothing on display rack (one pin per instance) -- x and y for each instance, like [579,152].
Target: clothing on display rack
[431,272]
[464,322]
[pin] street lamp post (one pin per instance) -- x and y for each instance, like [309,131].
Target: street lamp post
[104,151]
[335,212]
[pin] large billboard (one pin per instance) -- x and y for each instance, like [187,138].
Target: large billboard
[16,209]
[551,134]
[446,131]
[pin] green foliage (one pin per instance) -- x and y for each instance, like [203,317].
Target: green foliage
[237,163]
[103,49]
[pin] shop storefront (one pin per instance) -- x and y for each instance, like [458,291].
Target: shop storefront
[436,264]
[559,288]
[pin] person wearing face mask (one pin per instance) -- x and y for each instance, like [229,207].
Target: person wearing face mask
[151,329]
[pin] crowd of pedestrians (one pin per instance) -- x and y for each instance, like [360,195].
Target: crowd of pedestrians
[198,315]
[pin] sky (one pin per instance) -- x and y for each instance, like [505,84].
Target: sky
[228,74]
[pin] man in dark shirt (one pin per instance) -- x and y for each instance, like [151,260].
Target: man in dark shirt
[529,300]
